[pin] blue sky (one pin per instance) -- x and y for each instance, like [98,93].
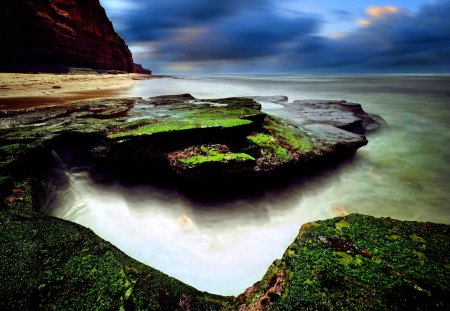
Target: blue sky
[285,36]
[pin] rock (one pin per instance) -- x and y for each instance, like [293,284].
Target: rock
[358,262]
[55,35]
[277,99]
[137,68]
[43,255]
[159,136]
[354,263]
[327,136]
[341,114]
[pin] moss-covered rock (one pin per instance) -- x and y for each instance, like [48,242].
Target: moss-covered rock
[138,138]
[52,264]
[211,161]
[358,263]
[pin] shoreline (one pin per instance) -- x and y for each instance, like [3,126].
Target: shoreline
[24,91]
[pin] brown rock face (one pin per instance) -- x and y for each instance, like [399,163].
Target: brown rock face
[51,35]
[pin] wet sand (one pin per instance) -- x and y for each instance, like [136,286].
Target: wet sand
[23,91]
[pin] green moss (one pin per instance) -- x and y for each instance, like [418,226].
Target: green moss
[196,156]
[270,147]
[399,275]
[280,143]
[198,160]
[290,134]
[212,117]
[52,264]
[342,225]
[417,238]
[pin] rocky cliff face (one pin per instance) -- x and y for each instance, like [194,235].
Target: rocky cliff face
[51,35]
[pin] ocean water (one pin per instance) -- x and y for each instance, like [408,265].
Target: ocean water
[224,247]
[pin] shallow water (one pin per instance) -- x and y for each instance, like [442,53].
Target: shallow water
[225,247]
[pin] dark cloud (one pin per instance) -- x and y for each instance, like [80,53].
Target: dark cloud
[243,36]
[395,42]
[342,14]
[151,20]
[253,35]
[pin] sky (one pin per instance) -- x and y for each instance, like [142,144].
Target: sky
[285,36]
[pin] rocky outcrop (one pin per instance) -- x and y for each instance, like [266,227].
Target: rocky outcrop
[174,138]
[358,262]
[337,113]
[40,35]
[138,68]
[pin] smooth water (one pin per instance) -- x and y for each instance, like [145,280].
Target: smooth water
[225,247]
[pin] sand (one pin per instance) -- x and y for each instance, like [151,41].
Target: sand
[19,91]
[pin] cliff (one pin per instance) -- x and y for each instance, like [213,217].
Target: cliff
[53,35]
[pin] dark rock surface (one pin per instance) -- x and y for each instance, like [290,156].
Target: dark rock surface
[338,113]
[37,35]
[341,114]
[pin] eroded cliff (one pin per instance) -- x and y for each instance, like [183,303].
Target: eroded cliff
[44,35]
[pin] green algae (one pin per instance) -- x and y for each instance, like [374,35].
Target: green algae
[228,157]
[48,263]
[270,147]
[288,133]
[187,118]
[194,157]
[399,276]
[280,143]
[174,124]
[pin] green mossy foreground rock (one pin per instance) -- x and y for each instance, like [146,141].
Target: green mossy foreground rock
[52,264]
[358,263]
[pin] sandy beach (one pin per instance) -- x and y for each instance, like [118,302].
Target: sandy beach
[19,91]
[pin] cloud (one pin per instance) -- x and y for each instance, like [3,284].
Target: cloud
[144,20]
[392,41]
[243,36]
[380,11]
[377,12]
[254,35]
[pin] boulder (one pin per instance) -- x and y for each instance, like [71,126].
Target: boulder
[358,262]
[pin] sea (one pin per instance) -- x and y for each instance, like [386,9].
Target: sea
[225,246]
